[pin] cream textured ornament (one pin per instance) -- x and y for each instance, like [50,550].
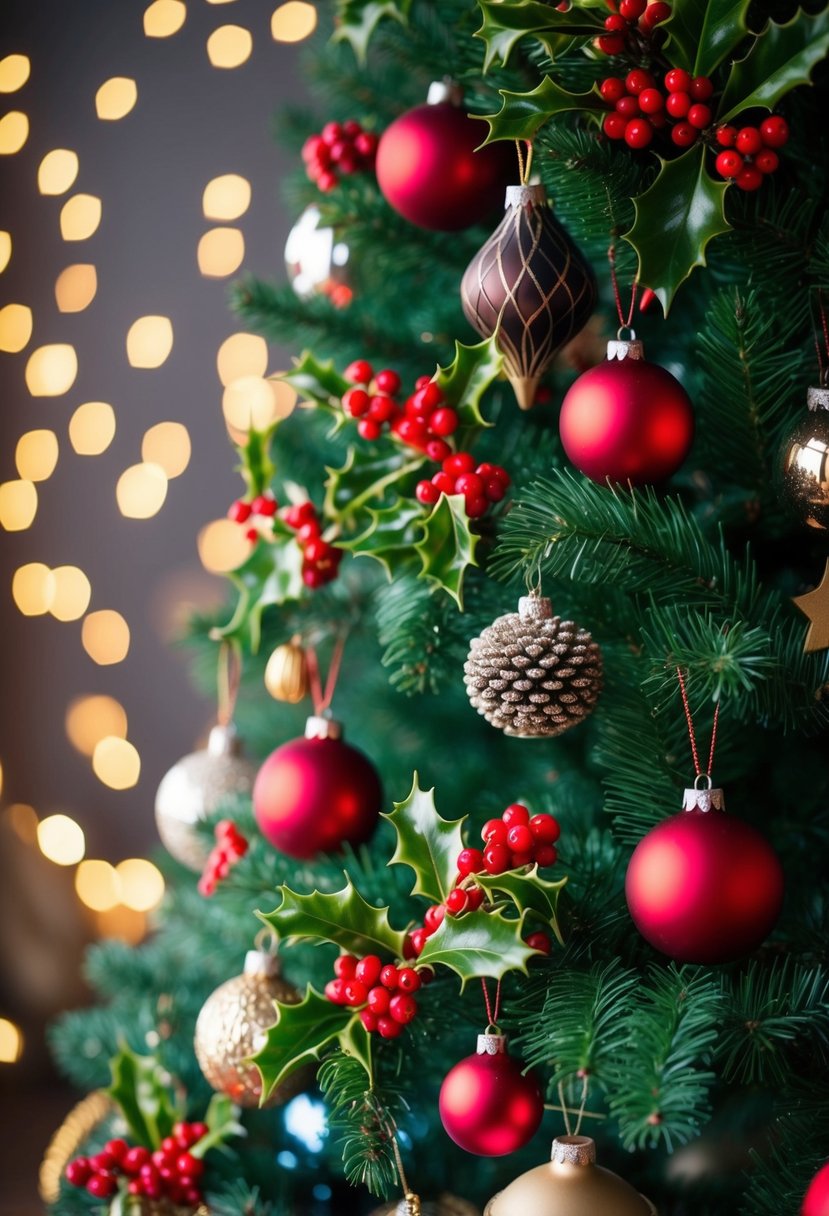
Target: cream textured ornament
[531,674]
[570,1184]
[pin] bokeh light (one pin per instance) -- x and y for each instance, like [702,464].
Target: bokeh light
[221,251]
[33,588]
[241,355]
[71,595]
[226,197]
[15,327]
[141,491]
[164,18]
[115,98]
[61,840]
[253,402]
[116,763]
[229,46]
[18,505]
[97,885]
[75,287]
[105,636]
[14,131]
[222,546]
[167,444]
[5,249]
[51,370]
[141,883]
[36,455]
[11,1042]
[80,217]
[149,341]
[293,21]
[57,171]
[92,428]
[22,819]
[14,72]
[89,719]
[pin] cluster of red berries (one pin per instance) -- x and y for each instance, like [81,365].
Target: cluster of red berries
[171,1172]
[539,941]
[514,840]
[640,107]
[749,152]
[230,846]
[631,16]
[382,992]
[480,484]
[259,510]
[338,150]
[423,421]
[320,560]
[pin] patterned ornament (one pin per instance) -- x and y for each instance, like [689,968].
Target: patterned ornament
[195,788]
[317,260]
[531,674]
[530,288]
[570,1184]
[804,463]
[232,1027]
[488,1105]
[286,675]
[413,1205]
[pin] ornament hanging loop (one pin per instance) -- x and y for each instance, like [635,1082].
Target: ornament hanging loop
[229,677]
[698,769]
[631,334]
[703,777]
[266,941]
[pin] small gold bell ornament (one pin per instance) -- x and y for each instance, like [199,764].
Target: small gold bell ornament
[413,1205]
[570,1184]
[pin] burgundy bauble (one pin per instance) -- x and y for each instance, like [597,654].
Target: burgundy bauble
[314,795]
[487,1105]
[816,1199]
[429,170]
[627,420]
[704,887]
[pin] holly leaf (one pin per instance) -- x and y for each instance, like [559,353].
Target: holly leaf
[427,844]
[222,1124]
[256,465]
[138,1087]
[448,546]
[704,32]
[271,575]
[467,378]
[318,383]
[479,944]
[300,1034]
[355,1041]
[506,22]
[781,57]
[356,20]
[342,917]
[529,892]
[367,475]
[523,114]
[391,537]
[676,217]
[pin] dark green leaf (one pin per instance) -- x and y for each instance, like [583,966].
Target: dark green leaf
[271,575]
[478,944]
[367,476]
[448,547]
[703,32]
[300,1034]
[356,20]
[506,22]
[782,57]
[139,1087]
[222,1124]
[523,114]
[391,537]
[426,843]
[342,917]
[467,378]
[529,892]
[319,383]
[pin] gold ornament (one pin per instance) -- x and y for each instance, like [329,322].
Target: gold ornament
[413,1205]
[805,463]
[232,1027]
[815,605]
[78,1124]
[286,675]
[570,1184]
[196,787]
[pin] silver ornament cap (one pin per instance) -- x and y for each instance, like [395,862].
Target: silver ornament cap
[318,727]
[491,1044]
[620,348]
[817,398]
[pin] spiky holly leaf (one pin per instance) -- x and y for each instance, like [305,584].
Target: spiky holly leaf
[523,114]
[255,462]
[529,892]
[355,1041]
[319,383]
[342,917]
[300,1034]
[675,219]
[478,944]
[427,844]
[139,1088]
[222,1124]
[467,378]
[703,32]
[448,547]
[356,20]
[391,537]
[367,476]
[271,575]
[782,57]
[506,22]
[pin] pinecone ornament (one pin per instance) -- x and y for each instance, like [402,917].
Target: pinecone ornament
[532,674]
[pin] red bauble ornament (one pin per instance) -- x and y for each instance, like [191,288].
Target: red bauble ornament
[704,887]
[487,1105]
[314,795]
[627,420]
[429,170]
[816,1199]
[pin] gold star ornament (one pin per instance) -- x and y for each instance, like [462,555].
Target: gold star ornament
[815,605]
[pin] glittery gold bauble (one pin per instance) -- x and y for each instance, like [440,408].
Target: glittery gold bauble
[413,1205]
[805,463]
[286,675]
[570,1184]
[195,788]
[532,674]
[232,1027]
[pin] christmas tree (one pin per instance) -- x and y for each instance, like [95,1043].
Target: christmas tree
[595,541]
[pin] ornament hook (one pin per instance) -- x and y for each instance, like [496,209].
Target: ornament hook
[703,777]
[266,941]
[621,331]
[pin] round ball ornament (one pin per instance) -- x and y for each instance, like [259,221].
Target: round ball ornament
[627,420]
[317,260]
[531,674]
[804,463]
[488,1106]
[816,1199]
[703,886]
[431,169]
[413,1205]
[570,1184]
[195,788]
[232,1026]
[315,794]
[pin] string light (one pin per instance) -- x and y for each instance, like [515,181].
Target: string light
[167,444]
[293,21]
[14,131]
[33,588]
[22,819]
[61,840]
[221,251]
[57,171]
[11,1042]
[115,98]
[80,217]
[76,287]
[15,327]
[5,249]
[141,491]
[51,370]
[226,197]
[14,72]
[36,455]
[141,884]
[105,636]
[92,428]
[97,885]
[222,546]
[92,718]
[229,46]
[149,341]
[164,18]
[18,505]
[241,355]
[71,595]
[116,763]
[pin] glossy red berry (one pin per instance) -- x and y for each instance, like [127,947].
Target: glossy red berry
[632,10]
[494,489]
[78,1171]
[239,511]
[368,970]
[459,462]
[520,838]
[456,901]
[494,831]
[327,180]
[316,550]
[368,429]
[366,144]
[539,941]
[403,1008]
[434,917]
[656,13]
[378,999]
[388,1028]
[469,483]
[726,136]
[190,1166]
[612,89]
[445,482]
[300,514]
[427,493]
[103,1161]
[729,163]
[699,116]
[430,396]
[102,1185]
[387,381]
[749,178]
[497,858]
[544,855]
[650,101]
[627,106]
[677,80]
[774,131]
[356,402]
[345,966]
[369,1020]
[444,421]
[419,937]
[199,1131]
[611,44]
[381,409]
[359,372]
[614,125]
[474,898]
[638,133]
[701,88]
[678,104]
[437,449]
[683,134]
[615,24]
[748,141]
[766,160]
[331,132]
[335,991]
[355,992]
[476,505]
[470,861]
[545,829]
[137,1156]
[408,980]
[521,859]
[515,813]
[637,80]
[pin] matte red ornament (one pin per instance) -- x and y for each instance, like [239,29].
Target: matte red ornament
[314,795]
[627,420]
[816,1200]
[704,887]
[487,1105]
[429,170]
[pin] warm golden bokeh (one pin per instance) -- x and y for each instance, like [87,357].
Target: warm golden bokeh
[14,131]
[14,72]
[167,444]
[116,763]
[221,251]
[51,370]
[293,21]
[226,197]
[92,718]
[149,341]
[75,287]
[18,505]
[105,636]
[141,491]
[97,885]
[15,327]
[57,171]
[36,455]
[5,249]
[254,402]
[229,46]
[23,821]
[11,1042]
[164,18]
[241,355]
[222,546]
[80,217]
[92,428]
[33,588]
[61,840]
[115,98]
[71,595]
[141,883]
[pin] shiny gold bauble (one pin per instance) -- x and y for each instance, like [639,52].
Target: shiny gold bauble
[413,1205]
[804,472]
[286,675]
[198,786]
[232,1026]
[571,1184]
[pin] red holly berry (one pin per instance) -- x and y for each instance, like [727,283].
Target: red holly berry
[387,381]
[430,396]
[190,1166]
[616,24]
[650,101]
[427,493]
[378,1000]
[611,44]
[403,1008]
[677,81]
[627,106]
[683,134]
[102,1185]
[388,1028]
[368,1019]
[515,813]
[656,13]
[470,484]
[638,133]
[300,514]
[313,578]
[356,993]
[366,144]
[199,1131]
[774,131]
[729,163]
[632,10]
[135,1157]
[456,901]
[418,938]
[103,1161]
[612,89]
[544,855]
[444,421]
[444,482]
[474,898]
[335,991]
[637,80]
[749,178]
[614,125]
[701,88]
[470,861]
[368,429]
[539,941]
[726,136]
[326,181]
[497,858]
[699,116]
[766,161]
[78,1171]
[494,831]
[678,104]
[356,402]
[434,917]
[239,511]
[545,828]
[388,976]
[310,530]
[408,980]
[437,449]
[458,463]
[359,372]
[520,838]
[749,141]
